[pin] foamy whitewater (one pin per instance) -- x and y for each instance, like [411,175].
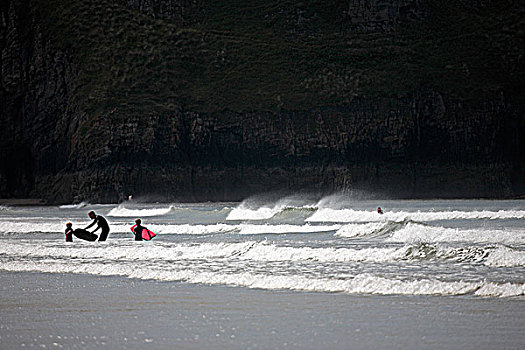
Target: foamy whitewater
[446,247]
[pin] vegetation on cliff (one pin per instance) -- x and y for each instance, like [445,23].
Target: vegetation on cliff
[93,89]
[270,55]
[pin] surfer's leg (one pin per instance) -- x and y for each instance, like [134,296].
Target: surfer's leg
[103,235]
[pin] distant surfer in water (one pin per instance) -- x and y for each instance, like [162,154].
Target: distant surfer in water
[69,232]
[379,210]
[137,231]
[101,223]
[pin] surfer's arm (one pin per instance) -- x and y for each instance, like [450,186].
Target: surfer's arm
[93,223]
[95,230]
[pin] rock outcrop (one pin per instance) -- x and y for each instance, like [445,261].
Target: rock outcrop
[190,100]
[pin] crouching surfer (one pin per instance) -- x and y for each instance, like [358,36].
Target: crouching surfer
[69,232]
[379,210]
[137,231]
[101,224]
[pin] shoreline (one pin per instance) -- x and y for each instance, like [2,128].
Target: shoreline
[90,311]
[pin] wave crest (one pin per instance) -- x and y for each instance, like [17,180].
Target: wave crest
[351,215]
[359,284]
[121,211]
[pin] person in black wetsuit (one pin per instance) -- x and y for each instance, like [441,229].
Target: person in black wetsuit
[138,230]
[379,210]
[69,232]
[101,223]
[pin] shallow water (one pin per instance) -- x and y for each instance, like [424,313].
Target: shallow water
[77,311]
[441,247]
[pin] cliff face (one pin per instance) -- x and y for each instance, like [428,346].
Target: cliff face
[36,80]
[211,101]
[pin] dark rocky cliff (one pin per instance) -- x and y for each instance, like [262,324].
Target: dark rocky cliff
[207,100]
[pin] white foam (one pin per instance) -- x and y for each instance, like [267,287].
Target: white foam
[359,230]
[187,229]
[251,250]
[156,261]
[246,211]
[243,229]
[262,213]
[360,284]
[31,227]
[74,206]
[246,229]
[351,215]
[262,252]
[121,211]
[505,257]
[497,256]
[267,252]
[127,250]
[416,233]
[501,290]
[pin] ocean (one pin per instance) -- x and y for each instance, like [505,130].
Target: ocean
[442,253]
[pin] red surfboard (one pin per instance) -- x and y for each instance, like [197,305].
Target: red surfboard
[147,235]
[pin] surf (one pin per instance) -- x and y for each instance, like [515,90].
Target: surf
[255,209]
[360,284]
[352,215]
[122,211]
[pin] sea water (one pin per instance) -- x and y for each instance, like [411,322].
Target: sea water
[473,248]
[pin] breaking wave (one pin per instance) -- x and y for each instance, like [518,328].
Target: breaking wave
[414,232]
[288,244]
[374,229]
[125,212]
[351,215]
[496,255]
[74,206]
[395,232]
[359,284]
[417,233]
[276,229]
[250,211]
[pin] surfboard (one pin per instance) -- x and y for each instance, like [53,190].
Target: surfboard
[147,235]
[85,235]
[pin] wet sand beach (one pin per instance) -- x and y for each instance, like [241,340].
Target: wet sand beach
[75,311]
